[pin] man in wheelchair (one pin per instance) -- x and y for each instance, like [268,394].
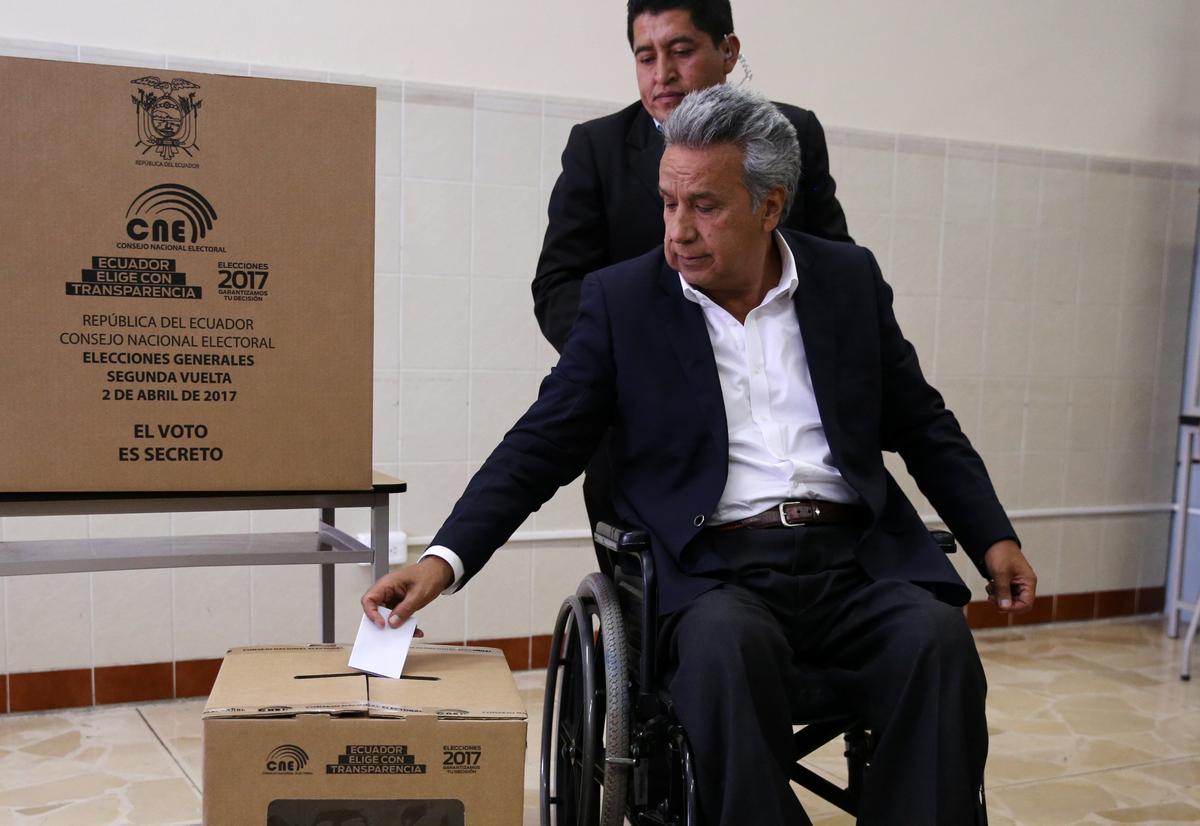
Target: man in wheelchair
[751,379]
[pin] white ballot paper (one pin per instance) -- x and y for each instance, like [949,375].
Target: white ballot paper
[382,651]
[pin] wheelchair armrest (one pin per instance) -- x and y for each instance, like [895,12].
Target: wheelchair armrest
[620,538]
[944,540]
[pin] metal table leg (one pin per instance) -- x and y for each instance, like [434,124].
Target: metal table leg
[327,589]
[1185,669]
[379,534]
[1189,446]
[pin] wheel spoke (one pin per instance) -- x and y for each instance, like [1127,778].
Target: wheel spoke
[567,739]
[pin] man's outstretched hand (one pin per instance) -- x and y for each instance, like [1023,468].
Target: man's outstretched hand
[407,590]
[1013,583]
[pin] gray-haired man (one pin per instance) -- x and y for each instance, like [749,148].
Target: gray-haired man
[752,379]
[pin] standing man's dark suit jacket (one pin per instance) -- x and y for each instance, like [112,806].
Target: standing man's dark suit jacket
[605,206]
[639,360]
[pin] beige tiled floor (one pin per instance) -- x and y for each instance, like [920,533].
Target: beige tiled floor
[1090,724]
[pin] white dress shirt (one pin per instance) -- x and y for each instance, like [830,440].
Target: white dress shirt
[777,446]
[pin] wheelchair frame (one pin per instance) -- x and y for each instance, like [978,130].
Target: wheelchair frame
[607,726]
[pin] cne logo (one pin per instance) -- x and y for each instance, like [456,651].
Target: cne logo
[166,119]
[197,215]
[287,759]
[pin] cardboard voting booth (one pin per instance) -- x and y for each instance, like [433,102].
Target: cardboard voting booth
[186,265]
[292,737]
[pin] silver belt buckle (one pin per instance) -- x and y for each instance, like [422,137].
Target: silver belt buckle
[816,512]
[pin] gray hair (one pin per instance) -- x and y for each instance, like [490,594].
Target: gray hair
[729,114]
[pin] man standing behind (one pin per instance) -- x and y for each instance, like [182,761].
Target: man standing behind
[605,206]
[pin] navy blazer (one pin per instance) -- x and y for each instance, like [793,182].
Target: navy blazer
[605,206]
[639,360]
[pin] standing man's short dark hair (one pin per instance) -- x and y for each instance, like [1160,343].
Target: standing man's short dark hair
[713,17]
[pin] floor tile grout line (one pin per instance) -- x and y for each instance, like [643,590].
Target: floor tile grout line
[1179,758]
[170,753]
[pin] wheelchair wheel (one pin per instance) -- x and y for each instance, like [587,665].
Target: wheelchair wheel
[585,723]
[600,597]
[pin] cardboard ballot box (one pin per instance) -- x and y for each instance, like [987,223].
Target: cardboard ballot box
[293,737]
[187,280]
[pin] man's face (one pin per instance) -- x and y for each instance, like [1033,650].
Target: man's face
[673,58]
[711,232]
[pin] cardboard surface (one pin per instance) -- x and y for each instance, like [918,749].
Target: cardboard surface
[187,280]
[446,681]
[292,736]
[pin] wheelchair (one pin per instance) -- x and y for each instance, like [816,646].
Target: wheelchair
[611,748]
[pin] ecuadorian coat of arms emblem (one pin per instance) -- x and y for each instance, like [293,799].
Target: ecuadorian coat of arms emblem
[166,116]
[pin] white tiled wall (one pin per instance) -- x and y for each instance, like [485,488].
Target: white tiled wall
[280,604]
[1058,317]
[49,622]
[131,617]
[1046,292]
[211,611]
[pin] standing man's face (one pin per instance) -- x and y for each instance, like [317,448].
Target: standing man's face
[673,58]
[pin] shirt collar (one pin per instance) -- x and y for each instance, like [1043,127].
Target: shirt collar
[789,279]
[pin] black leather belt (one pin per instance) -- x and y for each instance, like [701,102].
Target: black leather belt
[803,512]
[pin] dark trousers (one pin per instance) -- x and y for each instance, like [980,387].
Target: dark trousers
[905,663]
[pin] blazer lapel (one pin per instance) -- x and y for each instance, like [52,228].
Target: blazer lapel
[683,325]
[815,310]
[645,151]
